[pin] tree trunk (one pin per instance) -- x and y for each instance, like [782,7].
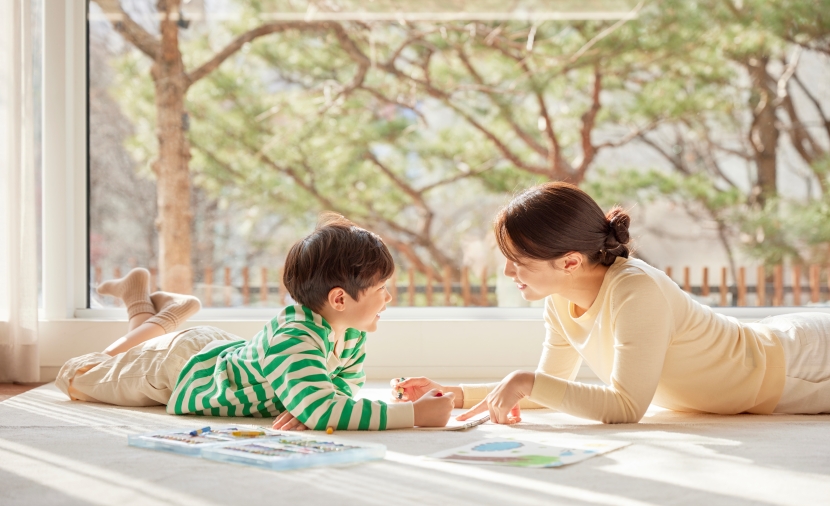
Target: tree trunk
[763,134]
[171,168]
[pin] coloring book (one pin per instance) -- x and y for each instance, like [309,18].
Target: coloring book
[259,447]
[192,441]
[294,451]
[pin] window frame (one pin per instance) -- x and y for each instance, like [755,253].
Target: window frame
[64,160]
[66,193]
[450,343]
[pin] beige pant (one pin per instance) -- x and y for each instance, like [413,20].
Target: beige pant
[144,375]
[806,341]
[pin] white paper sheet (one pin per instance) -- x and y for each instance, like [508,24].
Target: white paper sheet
[522,453]
[454,424]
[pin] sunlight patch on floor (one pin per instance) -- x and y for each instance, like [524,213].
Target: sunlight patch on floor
[89,483]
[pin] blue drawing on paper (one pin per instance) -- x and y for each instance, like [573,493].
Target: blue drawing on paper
[497,446]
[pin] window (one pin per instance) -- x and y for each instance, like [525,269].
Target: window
[419,125]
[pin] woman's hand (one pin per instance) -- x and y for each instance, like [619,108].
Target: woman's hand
[286,421]
[413,388]
[503,401]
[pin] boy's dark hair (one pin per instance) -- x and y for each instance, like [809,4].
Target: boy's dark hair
[337,254]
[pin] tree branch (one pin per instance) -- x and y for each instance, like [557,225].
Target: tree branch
[824,116]
[388,100]
[370,220]
[425,242]
[357,55]
[601,35]
[802,139]
[676,161]
[409,252]
[400,183]
[501,146]
[236,176]
[554,151]
[485,167]
[129,29]
[396,53]
[237,43]
[824,46]
[709,159]
[357,82]
[588,122]
[504,109]
[557,166]
[354,52]
[783,83]
[630,136]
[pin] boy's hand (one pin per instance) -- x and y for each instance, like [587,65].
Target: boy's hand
[433,409]
[413,388]
[286,421]
[503,401]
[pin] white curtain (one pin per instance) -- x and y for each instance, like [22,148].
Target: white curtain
[19,360]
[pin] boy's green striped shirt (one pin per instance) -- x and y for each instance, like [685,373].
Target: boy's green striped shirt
[291,364]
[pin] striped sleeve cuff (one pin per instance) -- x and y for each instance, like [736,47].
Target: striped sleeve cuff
[548,391]
[400,415]
[473,394]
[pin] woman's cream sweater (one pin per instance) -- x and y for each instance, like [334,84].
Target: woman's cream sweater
[649,341]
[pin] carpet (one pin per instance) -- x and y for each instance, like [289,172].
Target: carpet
[54,451]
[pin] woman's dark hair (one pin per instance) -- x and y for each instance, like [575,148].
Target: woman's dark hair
[337,254]
[550,220]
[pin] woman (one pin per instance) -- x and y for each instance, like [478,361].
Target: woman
[645,338]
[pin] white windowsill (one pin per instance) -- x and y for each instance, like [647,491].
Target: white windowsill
[431,314]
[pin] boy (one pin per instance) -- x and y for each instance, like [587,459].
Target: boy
[305,366]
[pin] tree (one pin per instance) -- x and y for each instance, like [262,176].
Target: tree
[734,71]
[382,84]
[172,80]
[374,119]
[498,79]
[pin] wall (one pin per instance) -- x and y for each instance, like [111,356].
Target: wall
[440,349]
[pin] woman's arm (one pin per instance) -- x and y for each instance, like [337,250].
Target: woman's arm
[558,359]
[642,328]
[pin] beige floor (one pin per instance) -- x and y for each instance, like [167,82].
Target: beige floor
[53,451]
[9,390]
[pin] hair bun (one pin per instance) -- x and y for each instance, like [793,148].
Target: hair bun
[618,222]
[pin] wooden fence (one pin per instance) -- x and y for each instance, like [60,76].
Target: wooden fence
[226,287]
[769,288]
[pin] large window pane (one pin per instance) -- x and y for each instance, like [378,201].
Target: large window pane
[210,154]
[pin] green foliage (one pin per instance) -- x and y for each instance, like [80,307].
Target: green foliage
[284,128]
[636,185]
[791,230]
